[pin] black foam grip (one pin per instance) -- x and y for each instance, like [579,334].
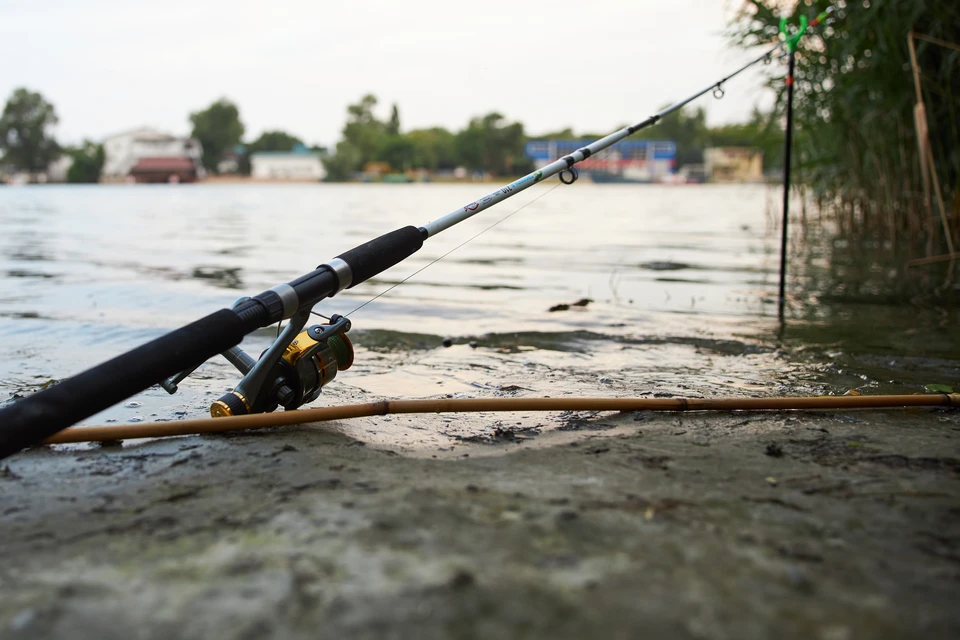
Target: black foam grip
[381,253]
[41,415]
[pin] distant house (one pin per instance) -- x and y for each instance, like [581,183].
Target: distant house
[159,170]
[625,161]
[734,164]
[126,150]
[57,170]
[299,164]
[231,160]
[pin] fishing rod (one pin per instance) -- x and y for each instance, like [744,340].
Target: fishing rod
[300,362]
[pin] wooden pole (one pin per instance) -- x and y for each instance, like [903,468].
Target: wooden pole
[324,414]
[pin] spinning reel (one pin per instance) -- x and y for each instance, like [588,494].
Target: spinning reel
[290,373]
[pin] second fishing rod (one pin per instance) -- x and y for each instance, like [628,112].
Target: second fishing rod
[292,371]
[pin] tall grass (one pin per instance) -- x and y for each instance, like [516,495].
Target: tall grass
[856,145]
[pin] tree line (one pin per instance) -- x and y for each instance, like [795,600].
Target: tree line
[490,143]
[495,145]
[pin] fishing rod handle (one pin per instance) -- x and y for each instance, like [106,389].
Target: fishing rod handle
[345,271]
[379,254]
[42,414]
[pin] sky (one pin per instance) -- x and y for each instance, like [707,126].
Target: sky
[593,65]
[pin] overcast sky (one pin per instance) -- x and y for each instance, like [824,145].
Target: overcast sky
[112,65]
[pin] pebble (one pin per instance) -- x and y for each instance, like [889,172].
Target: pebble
[799,580]
[133,404]
[22,620]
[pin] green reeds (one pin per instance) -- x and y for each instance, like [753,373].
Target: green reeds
[859,150]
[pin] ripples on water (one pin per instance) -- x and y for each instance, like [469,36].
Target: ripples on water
[683,282]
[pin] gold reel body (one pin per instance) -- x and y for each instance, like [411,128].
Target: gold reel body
[310,362]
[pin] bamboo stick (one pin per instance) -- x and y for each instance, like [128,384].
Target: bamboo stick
[928,165]
[942,43]
[920,261]
[923,139]
[324,414]
[947,232]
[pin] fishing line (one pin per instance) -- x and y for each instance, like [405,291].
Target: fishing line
[465,242]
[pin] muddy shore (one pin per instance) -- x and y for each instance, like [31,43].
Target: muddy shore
[808,525]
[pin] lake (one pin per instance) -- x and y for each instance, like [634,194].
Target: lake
[681,282]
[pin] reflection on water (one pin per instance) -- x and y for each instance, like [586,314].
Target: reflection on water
[682,280]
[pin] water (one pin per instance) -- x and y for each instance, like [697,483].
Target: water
[682,283]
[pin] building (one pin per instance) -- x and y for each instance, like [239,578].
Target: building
[626,161]
[171,170]
[733,164]
[57,170]
[231,160]
[125,150]
[299,164]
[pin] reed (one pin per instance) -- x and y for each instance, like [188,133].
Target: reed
[880,181]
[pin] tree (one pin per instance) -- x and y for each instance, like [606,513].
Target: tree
[688,129]
[268,141]
[274,141]
[397,151]
[393,127]
[24,135]
[218,128]
[564,134]
[490,144]
[363,138]
[345,162]
[87,163]
[363,131]
[433,149]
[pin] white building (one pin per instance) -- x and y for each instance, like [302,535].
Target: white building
[57,170]
[299,164]
[124,150]
[734,164]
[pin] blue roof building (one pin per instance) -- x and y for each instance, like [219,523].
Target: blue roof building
[626,161]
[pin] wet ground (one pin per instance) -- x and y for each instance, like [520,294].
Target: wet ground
[750,525]
[834,525]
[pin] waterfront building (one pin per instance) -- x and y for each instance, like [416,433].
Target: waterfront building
[124,151]
[734,164]
[626,161]
[298,164]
